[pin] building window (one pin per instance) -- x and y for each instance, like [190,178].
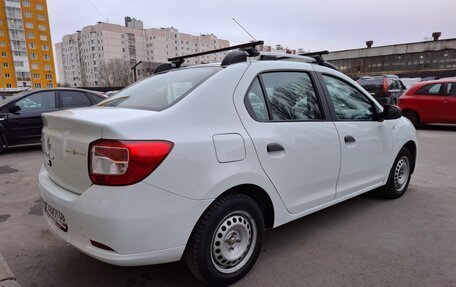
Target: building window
[3,54]
[3,44]
[5,65]
[44,47]
[37,86]
[39,7]
[33,56]
[1,32]
[36,76]
[30,35]
[48,76]
[41,17]
[47,67]
[29,25]
[28,14]
[8,85]
[46,57]
[7,75]
[32,46]
[26,3]
[42,27]
[43,38]
[49,85]
[35,66]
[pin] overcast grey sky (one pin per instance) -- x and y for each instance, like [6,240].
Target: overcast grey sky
[312,25]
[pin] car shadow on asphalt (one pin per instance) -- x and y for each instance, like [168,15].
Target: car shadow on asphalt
[20,149]
[438,127]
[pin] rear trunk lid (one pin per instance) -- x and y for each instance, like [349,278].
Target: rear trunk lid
[66,137]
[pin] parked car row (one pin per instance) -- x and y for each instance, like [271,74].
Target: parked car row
[20,114]
[422,102]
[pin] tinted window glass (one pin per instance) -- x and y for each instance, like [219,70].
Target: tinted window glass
[255,99]
[451,89]
[41,101]
[371,85]
[73,99]
[431,89]
[291,96]
[160,91]
[349,103]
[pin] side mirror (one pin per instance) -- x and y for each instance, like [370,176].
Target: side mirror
[391,112]
[14,109]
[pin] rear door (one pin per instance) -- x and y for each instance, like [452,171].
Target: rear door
[448,108]
[25,125]
[297,146]
[366,143]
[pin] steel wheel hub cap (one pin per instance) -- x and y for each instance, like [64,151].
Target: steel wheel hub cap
[233,242]
[401,173]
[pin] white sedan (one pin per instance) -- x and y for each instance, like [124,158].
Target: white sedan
[194,163]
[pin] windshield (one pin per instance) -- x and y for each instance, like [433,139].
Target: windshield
[160,91]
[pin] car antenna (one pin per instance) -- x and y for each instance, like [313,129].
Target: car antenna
[244,29]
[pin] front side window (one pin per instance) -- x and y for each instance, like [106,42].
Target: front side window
[160,91]
[431,89]
[349,103]
[37,102]
[291,96]
[73,99]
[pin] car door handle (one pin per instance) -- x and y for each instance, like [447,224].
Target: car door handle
[273,147]
[349,139]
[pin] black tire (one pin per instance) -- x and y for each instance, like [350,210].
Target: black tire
[2,143]
[413,117]
[399,176]
[228,219]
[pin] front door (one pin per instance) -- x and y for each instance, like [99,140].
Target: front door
[25,125]
[366,143]
[297,146]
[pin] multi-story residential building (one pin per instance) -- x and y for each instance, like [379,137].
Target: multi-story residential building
[26,58]
[80,55]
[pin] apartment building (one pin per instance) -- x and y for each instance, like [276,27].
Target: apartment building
[80,55]
[26,58]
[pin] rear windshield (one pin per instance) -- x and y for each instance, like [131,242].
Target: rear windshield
[160,91]
[371,85]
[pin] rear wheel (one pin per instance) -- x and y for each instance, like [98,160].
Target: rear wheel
[226,240]
[413,117]
[2,143]
[399,177]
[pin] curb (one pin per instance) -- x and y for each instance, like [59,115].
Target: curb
[7,278]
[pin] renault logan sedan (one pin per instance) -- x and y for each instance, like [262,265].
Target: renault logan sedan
[194,163]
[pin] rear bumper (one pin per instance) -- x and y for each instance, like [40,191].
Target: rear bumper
[142,223]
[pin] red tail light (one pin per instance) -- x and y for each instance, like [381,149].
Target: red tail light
[385,85]
[113,162]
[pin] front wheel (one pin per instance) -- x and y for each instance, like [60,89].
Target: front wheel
[412,117]
[2,143]
[399,177]
[226,240]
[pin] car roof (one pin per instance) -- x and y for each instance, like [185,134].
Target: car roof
[440,81]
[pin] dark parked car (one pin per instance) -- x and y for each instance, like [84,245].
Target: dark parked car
[20,115]
[385,89]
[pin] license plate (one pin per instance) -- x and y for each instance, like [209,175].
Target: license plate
[56,216]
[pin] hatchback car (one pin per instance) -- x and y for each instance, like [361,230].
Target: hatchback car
[430,102]
[194,163]
[20,115]
[385,89]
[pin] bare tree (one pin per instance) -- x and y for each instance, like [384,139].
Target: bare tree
[114,73]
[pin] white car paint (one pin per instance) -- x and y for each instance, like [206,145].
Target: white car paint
[218,146]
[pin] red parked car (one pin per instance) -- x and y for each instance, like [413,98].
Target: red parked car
[430,102]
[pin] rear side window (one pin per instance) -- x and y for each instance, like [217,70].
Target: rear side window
[256,103]
[451,89]
[161,91]
[371,85]
[431,89]
[74,99]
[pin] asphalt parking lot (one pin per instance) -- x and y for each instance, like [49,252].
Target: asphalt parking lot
[366,241]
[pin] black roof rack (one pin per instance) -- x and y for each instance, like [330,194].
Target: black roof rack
[247,50]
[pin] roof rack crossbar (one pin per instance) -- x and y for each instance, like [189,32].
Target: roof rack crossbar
[247,47]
